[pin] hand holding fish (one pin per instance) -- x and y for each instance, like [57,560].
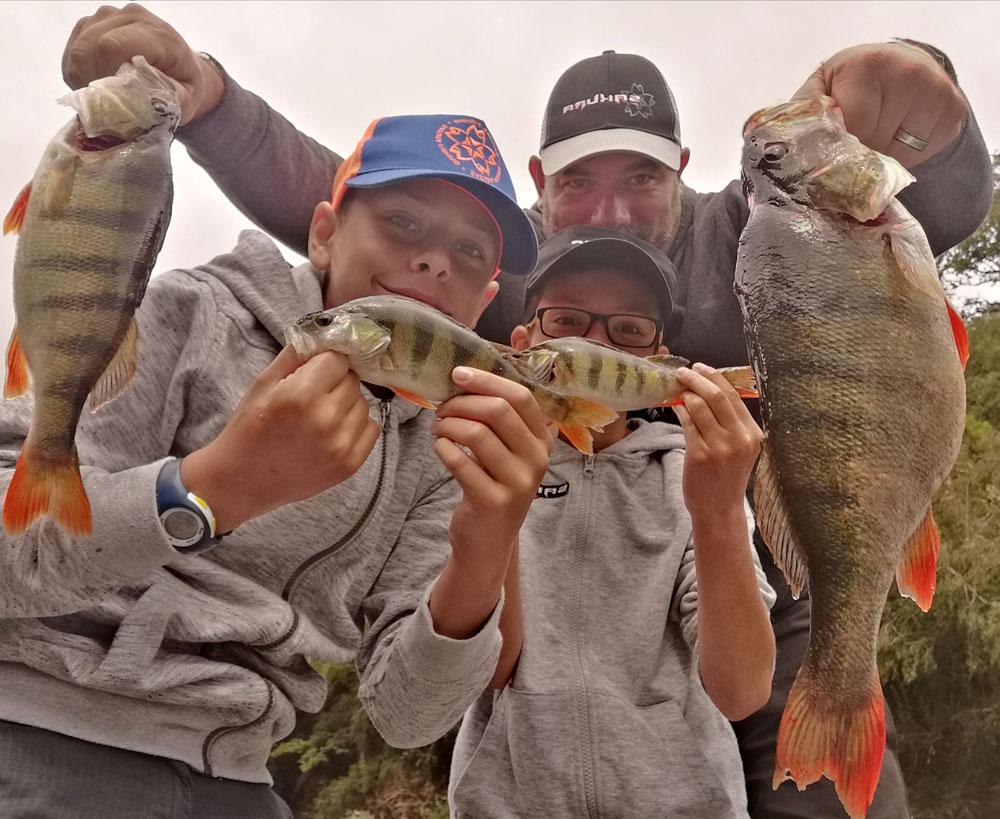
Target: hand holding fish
[300,429]
[723,442]
[892,90]
[508,442]
[100,43]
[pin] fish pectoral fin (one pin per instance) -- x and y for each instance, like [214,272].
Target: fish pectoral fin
[960,334]
[17,367]
[59,182]
[119,372]
[774,525]
[742,379]
[413,398]
[671,361]
[15,216]
[913,255]
[916,574]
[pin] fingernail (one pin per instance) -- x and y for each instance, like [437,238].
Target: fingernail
[462,374]
[683,370]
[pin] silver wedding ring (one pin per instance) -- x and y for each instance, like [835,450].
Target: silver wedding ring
[911,140]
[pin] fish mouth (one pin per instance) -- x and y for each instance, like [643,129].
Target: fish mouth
[99,142]
[416,295]
[302,342]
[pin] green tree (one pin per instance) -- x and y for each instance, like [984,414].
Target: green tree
[941,670]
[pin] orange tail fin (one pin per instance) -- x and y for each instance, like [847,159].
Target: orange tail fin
[818,737]
[40,488]
[15,216]
[961,337]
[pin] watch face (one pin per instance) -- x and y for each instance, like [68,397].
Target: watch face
[183,526]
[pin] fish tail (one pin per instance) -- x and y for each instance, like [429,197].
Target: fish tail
[742,379]
[818,737]
[579,417]
[44,487]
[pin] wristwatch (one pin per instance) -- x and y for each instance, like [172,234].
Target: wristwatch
[186,519]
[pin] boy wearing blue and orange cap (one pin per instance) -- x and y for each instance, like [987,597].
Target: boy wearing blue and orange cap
[152,665]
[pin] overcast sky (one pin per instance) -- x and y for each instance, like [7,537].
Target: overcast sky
[333,67]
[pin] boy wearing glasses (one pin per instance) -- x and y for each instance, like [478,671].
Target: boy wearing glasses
[636,623]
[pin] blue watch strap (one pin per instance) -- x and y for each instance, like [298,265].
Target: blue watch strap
[186,519]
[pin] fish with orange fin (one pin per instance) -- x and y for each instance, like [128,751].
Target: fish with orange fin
[90,225]
[412,348]
[859,360]
[613,378]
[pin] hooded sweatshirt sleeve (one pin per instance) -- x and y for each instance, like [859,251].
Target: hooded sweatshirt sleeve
[415,683]
[44,572]
[269,169]
[685,603]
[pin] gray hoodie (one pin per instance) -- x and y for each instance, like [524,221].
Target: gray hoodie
[606,714]
[119,640]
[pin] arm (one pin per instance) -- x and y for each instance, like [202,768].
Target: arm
[883,87]
[420,672]
[511,624]
[273,173]
[736,647]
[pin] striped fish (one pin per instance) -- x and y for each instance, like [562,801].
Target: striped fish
[616,379]
[412,348]
[859,359]
[91,223]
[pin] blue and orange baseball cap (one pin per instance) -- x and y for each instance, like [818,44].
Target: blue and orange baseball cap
[454,148]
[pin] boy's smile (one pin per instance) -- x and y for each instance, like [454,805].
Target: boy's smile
[425,239]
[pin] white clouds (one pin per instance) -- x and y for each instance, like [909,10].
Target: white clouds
[332,67]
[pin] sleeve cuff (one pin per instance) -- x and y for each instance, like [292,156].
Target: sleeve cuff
[439,659]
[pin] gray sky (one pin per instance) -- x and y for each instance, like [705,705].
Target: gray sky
[333,67]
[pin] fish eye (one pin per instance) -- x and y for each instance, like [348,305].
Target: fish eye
[774,151]
[324,319]
[159,106]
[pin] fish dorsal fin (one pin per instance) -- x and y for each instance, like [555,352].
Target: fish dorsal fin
[916,574]
[774,525]
[15,216]
[17,368]
[536,363]
[119,372]
[503,349]
[668,360]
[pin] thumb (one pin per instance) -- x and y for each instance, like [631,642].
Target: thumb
[815,86]
[284,364]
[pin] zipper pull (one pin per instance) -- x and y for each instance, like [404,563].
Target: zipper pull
[588,465]
[384,409]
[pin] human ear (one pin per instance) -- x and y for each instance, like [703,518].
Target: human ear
[537,175]
[519,337]
[321,230]
[685,158]
[490,293]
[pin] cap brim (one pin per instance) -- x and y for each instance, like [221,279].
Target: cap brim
[620,254]
[564,153]
[520,245]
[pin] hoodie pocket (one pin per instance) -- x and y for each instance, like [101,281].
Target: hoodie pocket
[526,762]
[648,763]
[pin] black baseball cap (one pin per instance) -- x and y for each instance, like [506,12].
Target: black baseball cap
[613,102]
[583,247]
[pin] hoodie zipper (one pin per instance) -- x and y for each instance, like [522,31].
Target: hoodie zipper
[293,581]
[290,586]
[580,682]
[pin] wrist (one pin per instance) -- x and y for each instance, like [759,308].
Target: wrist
[718,521]
[200,473]
[211,86]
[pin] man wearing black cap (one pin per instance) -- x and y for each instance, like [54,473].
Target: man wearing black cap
[900,98]
[636,648]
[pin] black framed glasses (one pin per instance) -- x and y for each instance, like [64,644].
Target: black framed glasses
[625,329]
